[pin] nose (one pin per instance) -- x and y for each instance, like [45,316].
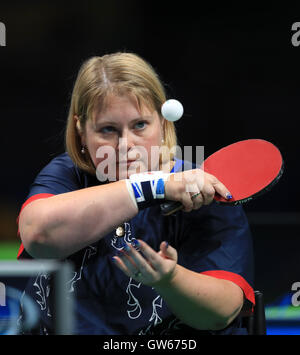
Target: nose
[125,143]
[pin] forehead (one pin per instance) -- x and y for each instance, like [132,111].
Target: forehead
[119,107]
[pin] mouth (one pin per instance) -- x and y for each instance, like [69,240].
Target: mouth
[127,162]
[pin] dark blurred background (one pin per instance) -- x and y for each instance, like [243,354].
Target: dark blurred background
[234,69]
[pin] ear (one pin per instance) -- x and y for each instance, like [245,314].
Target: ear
[79,129]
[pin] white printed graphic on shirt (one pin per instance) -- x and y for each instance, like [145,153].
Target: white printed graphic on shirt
[89,252]
[133,302]
[135,310]
[154,316]
[42,281]
[43,290]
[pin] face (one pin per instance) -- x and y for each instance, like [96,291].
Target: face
[120,138]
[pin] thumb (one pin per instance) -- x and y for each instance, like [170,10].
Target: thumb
[167,251]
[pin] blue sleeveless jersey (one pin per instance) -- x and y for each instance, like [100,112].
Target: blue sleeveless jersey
[214,240]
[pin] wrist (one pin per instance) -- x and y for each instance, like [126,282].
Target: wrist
[147,189]
[167,283]
[131,192]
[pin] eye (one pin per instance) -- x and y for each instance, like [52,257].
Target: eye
[107,129]
[140,125]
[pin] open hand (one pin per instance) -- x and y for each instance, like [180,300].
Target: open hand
[146,265]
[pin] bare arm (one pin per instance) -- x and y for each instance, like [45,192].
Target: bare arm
[201,301]
[60,225]
[205,302]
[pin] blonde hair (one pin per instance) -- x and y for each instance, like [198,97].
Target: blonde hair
[118,73]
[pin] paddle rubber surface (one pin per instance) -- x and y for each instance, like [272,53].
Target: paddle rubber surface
[247,168]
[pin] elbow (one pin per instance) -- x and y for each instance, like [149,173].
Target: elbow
[222,321]
[228,313]
[212,321]
[33,240]
[36,246]
[218,319]
[33,236]
[213,324]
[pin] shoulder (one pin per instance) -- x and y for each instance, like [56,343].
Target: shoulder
[62,166]
[63,175]
[61,161]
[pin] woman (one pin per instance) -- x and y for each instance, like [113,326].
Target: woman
[136,271]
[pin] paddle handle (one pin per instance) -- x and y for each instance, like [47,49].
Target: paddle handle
[170,207]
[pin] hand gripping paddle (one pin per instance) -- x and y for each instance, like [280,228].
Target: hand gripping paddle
[247,168]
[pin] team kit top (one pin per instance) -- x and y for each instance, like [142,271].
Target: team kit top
[214,240]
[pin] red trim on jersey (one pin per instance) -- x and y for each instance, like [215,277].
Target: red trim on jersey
[237,279]
[29,200]
[21,249]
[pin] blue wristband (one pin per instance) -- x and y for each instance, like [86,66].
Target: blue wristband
[149,189]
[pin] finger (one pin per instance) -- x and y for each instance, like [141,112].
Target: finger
[186,202]
[197,200]
[128,262]
[208,193]
[121,265]
[152,256]
[220,188]
[137,260]
[134,271]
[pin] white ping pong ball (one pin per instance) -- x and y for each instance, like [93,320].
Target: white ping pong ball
[172,110]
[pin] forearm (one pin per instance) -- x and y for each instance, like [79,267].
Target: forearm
[63,224]
[201,301]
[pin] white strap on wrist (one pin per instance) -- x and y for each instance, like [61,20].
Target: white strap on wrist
[148,188]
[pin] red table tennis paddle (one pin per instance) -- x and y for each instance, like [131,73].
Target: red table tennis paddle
[247,168]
